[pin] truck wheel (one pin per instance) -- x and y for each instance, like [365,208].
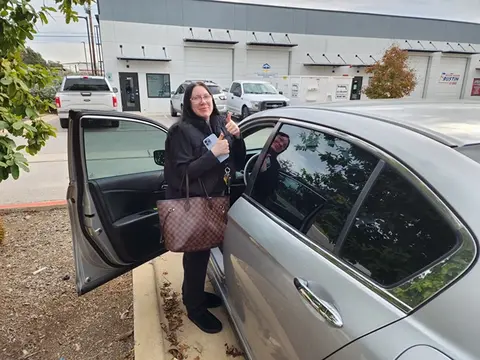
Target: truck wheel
[172,111]
[245,112]
[64,123]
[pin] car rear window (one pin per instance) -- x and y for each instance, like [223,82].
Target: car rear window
[85,84]
[214,89]
[472,151]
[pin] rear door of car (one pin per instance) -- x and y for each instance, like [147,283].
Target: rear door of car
[333,252]
[112,193]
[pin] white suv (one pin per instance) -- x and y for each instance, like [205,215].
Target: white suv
[251,96]
[176,101]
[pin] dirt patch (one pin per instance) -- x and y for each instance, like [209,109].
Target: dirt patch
[41,315]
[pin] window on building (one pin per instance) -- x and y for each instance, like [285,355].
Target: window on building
[158,85]
[311,180]
[397,232]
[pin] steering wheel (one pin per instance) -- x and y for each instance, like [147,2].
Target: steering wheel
[250,161]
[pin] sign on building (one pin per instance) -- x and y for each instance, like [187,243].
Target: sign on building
[341,92]
[476,87]
[449,78]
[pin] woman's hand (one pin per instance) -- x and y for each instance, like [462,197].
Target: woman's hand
[232,128]
[221,147]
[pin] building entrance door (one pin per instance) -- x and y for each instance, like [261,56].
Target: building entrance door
[356,92]
[130,92]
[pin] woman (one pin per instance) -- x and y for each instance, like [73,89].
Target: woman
[185,151]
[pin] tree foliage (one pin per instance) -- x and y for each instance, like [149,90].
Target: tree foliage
[20,108]
[392,77]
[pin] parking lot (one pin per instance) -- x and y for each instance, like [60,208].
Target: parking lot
[48,176]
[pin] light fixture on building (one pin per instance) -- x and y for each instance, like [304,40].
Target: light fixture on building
[271,37]
[431,43]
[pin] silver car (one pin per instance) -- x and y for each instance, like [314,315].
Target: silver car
[352,234]
[176,101]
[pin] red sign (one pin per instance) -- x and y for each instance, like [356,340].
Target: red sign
[476,87]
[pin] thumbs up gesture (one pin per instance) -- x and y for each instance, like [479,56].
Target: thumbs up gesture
[231,126]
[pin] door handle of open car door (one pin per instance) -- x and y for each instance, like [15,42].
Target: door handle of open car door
[325,309]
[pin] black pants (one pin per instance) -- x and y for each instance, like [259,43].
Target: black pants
[194,274]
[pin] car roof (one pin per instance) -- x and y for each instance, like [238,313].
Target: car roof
[453,123]
[206,82]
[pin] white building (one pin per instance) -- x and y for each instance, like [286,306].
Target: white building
[151,46]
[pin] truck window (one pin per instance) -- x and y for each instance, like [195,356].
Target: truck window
[85,84]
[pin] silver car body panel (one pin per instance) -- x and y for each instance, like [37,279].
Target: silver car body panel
[259,271]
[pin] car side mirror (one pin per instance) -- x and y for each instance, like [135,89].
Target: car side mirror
[280,92]
[159,157]
[225,90]
[237,94]
[115,90]
[173,93]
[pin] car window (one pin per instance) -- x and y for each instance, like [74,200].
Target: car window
[122,150]
[311,180]
[257,139]
[85,84]
[397,232]
[181,89]
[258,88]
[235,87]
[214,89]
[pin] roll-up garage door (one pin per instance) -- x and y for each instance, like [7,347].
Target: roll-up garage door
[450,78]
[420,65]
[209,64]
[278,60]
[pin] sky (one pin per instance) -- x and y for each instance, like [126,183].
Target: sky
[60,42]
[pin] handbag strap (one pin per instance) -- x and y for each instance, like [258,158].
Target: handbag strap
[187,185]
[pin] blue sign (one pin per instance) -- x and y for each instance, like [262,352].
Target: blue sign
[265,66]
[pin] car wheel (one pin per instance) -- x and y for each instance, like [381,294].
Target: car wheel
[245,112]
[64,123]
[172,111]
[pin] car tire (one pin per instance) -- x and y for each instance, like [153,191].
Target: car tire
[64,123]
[173,113]
[245,112]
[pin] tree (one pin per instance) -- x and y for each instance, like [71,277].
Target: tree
[18,75]
[31,57]
[20,71]
[392,77]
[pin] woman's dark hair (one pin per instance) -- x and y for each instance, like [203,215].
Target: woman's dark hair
[187,112]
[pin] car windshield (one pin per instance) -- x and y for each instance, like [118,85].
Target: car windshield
[258,88]
[214,89]
[472,151]
[85,84]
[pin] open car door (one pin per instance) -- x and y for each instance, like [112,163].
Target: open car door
[112,194]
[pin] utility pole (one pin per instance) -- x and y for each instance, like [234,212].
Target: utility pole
[88,10]
[85,52]
[89,42]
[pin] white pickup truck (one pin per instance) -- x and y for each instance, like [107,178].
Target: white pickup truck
[84,93]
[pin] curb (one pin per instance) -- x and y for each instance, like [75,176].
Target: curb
[147,314]
[35,206]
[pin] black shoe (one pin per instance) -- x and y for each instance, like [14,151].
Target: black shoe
[207,322]
[212,300]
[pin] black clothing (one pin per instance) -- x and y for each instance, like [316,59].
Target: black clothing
[184,149]
[266,182]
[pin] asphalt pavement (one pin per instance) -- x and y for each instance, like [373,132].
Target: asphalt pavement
[48,176]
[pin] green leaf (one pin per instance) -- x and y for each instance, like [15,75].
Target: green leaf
[6,81]
[17,125]
[3,165]
[15,172]
[24,167]
[21,147]
[31,113]
[3,125]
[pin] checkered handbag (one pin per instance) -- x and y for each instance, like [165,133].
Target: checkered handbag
[193,223]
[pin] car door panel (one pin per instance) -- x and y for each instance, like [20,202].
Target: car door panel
[129,202]
[262,260]
[115,225]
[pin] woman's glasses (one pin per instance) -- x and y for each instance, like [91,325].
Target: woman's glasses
[199,98]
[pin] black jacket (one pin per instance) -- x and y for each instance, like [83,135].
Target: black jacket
[184,149]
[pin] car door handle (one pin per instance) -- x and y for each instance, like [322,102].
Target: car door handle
[326,310]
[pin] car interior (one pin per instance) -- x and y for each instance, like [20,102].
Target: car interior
[126,205]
